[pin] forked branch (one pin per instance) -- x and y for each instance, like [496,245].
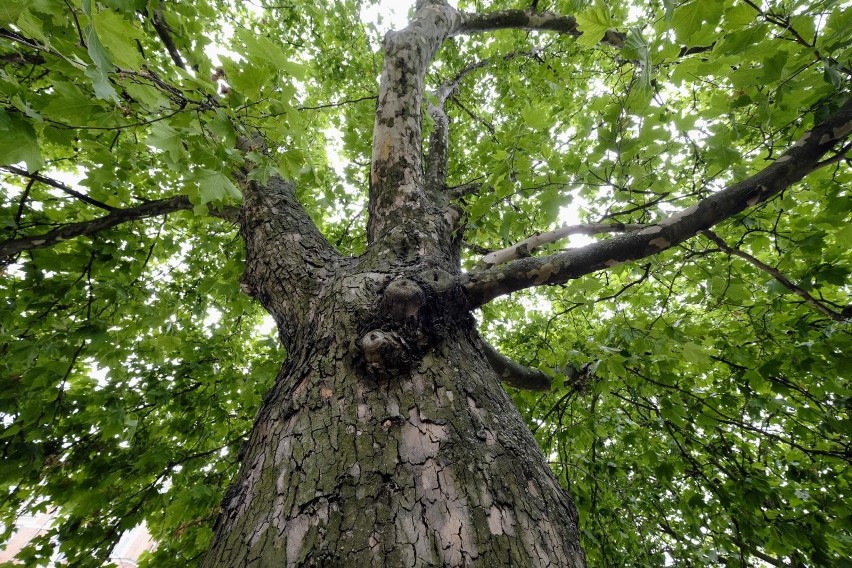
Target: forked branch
[789,168]
[398,200]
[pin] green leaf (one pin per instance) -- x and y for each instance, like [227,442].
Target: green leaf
[248,79]
[773,67]
[594,24]
[739,41]
[99,55]
[261,48]
[70,104]
[32,27]
[843,237]
[636,48]
[101,84]
[697,354]
[10,10]
[18,142]
[740,15]
[119,36]
[536,118]
[832,76]
[223,127]
[215,186]
[151,97]
[166,138]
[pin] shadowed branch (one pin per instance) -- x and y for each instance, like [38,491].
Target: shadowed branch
[513,373]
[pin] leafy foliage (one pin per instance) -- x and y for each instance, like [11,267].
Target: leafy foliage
[702,413]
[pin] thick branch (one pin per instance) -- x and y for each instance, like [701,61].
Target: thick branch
[398,200]
[288,261]
[116,217]
[460,191]
[397,196]
[775,273]
[529,20]
[438,158]
[436,161]
[528,245]
[86,228]
[513,373]
[789,168]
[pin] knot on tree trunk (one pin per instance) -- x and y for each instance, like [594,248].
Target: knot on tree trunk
[385,353]
[413,312]
[402,301]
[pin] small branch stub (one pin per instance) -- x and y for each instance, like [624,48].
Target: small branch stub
[385,353]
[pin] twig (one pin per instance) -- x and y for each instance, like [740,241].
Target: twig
[338,103]
[783,280]
[60,186]
[165,35]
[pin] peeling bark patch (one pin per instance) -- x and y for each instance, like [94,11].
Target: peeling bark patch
[842,130]
[447,514]
[801,141]
[420,440]
[612,262]
[650,230]
[500,521]
[543,273]
[753,201]
[355,471]
[676,217]
[495,521]
[296,530]
[533,488]
[660,243]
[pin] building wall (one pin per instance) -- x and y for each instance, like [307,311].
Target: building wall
[125,554]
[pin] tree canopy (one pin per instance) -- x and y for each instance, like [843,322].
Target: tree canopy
[699,411]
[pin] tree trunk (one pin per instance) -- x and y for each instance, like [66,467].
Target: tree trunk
[387,440]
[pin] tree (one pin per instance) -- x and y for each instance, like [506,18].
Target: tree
[168,178]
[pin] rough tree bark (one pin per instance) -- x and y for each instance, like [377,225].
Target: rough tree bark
[387,439]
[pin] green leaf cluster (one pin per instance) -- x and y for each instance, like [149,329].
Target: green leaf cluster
[701,413]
